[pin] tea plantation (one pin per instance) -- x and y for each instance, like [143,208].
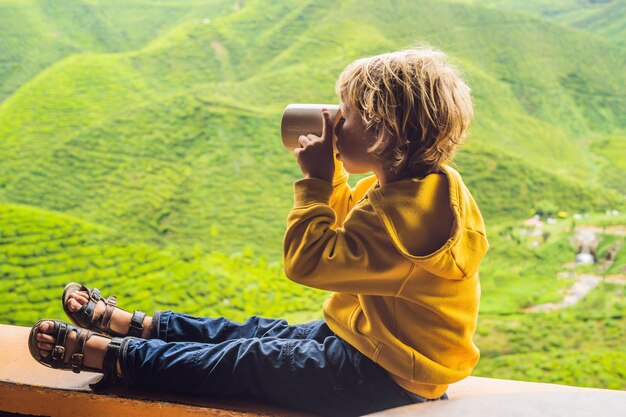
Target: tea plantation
[41,251]
[140,154]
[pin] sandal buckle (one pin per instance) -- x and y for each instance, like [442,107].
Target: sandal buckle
[77,362]
[58,352]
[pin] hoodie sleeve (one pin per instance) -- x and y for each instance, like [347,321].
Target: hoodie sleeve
[343,198]
[357,257]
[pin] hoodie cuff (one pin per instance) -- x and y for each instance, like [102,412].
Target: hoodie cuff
[308,191]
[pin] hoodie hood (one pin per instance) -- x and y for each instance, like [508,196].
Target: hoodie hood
[407,211]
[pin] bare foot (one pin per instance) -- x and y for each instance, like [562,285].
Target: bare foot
[93,351]
[120,319]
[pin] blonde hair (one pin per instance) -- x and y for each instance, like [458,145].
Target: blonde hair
[415,102]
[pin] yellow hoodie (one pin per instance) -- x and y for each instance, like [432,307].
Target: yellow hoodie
[414,314]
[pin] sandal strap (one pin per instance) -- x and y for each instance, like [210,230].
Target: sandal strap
[87,310]
[58,351]
[102,323]
[136,324]
[76,360]
[108,364]
[105,322]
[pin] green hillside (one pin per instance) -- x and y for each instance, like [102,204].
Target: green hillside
[147,123]
[37,33]
[140,153]
[578,345]
[41,251]
[601,17]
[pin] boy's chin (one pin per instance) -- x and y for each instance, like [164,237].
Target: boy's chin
[351,170]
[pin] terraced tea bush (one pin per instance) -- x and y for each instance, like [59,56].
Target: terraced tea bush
[37,265]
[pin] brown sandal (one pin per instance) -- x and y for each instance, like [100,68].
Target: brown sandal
[85,316]
[56,358]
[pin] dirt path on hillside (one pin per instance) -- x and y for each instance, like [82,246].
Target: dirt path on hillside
[583,285]
[222,54]
[219,49]
[585,282]
[619,279]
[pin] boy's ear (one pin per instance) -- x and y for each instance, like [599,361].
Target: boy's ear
[371,134]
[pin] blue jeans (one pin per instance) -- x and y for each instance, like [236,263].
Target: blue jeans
[304,366]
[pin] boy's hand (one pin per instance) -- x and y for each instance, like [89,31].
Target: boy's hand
[315,154]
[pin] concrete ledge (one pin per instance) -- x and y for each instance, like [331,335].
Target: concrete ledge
[483,387]
[26,387]
[486,397]
[528,404]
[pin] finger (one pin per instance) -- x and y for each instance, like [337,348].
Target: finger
[327,129]
[297,151]
[312,137]
[303,140]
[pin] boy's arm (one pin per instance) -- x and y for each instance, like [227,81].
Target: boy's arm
[354,258]
[341,200]
[343,197]
[314,155]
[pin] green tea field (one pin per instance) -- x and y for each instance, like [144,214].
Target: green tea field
[140,153]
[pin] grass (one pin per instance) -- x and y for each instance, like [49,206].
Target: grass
[599,368]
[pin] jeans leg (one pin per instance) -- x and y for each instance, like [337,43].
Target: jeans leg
[176,327]
[328,377]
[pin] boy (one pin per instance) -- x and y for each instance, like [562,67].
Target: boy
[400,252]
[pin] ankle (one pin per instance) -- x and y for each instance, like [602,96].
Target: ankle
[146,333]
[118,368]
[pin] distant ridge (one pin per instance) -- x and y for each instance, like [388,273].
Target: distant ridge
[601,17]
[36,34]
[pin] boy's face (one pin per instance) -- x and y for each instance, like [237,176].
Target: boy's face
[353,141]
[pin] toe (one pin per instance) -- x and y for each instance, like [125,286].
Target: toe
[46,327]
[80,296]
[44,353]
[73,305]
[45,338]
[45,346]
